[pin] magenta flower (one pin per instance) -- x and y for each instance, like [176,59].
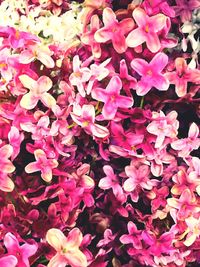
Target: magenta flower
[184,8]
[133,237]
[182,76]
[9,260]
[22,253]
[42,164]
[114,30]
[88,37]
[150,73]
[186,145]
[112,98]
[111,181]
[147,31]
[15,139]
[160,245]
[85,117]
[67,248]
[38,91]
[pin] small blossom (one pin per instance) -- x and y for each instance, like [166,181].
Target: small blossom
[38,91]
[114,30]
[85,117]
[42,164]
[147,31]
[150,73]
[112,98]
[67,248]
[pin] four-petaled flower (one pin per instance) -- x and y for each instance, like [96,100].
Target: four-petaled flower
[22,253]
[42,164]
[38,91]
[114,30]
[85,117]
[182,75]
[112,98]
[67,248]
[147,31]
[150,73]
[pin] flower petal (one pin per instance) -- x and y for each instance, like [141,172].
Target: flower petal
[48,100]
[135,38]
[56,239]
[153,42]
[140,66]
[28,101]
[159,62]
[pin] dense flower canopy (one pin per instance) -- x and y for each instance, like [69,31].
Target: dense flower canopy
[99,136]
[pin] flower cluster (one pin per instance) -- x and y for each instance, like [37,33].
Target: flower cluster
[99,136]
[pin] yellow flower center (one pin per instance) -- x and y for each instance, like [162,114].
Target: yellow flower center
[146,28]
[17,34]
[149,72]
[3,65]
[85,123]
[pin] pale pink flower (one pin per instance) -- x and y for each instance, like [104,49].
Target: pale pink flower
[186,145]
[42,164]
[67,248]
[85,117]
[138,177]
[150,73]
[114,30]
[88,37]
[185,206]
[111,181]
[6,165]
[22,253]
[162,126]
[147,31]
[38,91]
[182,75]
[193,231]
[5,68]
[8,260]
[112,98]
[80,75]
[43,54]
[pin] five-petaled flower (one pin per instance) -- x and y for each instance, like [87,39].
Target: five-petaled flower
[67,248]
[42,164]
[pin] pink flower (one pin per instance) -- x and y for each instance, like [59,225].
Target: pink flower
[147,31]
[9,260]
[6,165]
[67,248]
[15,140]
[182,76]
[22,253]
[85,117]
[138,177]
[186,205]
[133,237]
[163,126]
[42,164]
[150,73]
[184,8]
[112,98]
[160,245]
[88,37]
[186,145]
[80,75]
[193,231]
[111,181]
[114,30]
[128,81]
[43,54]
[38,91]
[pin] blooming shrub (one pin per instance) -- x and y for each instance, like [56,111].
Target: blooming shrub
[99,136]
